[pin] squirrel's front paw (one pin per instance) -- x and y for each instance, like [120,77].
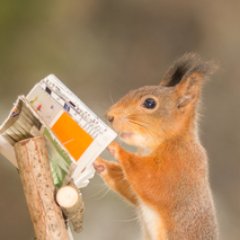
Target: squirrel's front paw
[114,148]
[100,165]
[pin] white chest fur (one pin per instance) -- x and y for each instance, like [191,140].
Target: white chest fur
[151,222]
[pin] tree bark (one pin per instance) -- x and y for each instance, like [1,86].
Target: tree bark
[35,173]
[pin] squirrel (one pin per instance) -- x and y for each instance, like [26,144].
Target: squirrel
[166,179]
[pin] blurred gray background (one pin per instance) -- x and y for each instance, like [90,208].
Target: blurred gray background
[102,49]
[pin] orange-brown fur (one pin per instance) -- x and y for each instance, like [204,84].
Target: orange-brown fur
[167,177]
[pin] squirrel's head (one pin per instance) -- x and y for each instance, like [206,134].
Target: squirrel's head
[149,115]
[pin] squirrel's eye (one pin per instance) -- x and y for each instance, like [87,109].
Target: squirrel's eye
[149,103]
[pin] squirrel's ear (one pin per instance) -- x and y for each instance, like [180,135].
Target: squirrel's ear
[187,75]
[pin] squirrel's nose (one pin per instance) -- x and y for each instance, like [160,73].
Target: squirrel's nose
[110,118]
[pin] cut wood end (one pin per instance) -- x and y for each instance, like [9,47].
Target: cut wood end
[67,196]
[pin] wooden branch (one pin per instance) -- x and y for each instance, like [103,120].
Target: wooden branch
[34,169]
[70,200]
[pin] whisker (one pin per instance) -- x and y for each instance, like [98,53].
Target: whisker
[142,124]
[145,126]
[111,97]
[138,123]
[133,219]
[98,194]
[103,195]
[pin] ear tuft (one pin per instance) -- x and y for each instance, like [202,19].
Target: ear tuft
[185,66]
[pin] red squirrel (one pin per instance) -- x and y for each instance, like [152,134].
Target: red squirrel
[167,177]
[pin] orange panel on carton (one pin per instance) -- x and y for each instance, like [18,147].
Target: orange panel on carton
[71,135]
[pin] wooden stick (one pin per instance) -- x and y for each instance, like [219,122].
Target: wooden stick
[34,169]
[70,200]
